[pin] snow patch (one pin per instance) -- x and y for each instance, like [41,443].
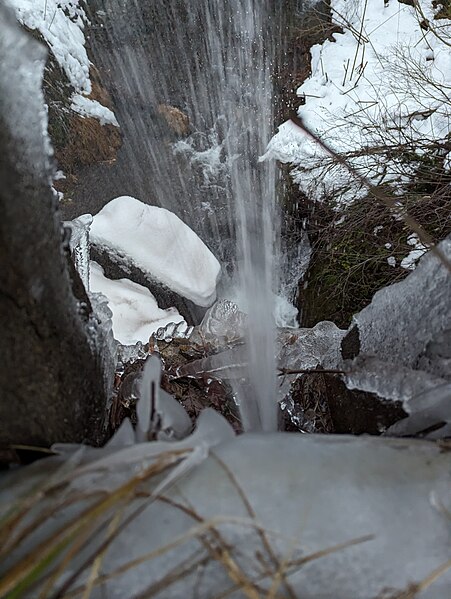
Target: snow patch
[378,84]
[136,315]
[410,261]
[161,245]
[91,108]
[61,24]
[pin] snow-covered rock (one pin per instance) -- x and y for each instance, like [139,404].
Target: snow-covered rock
[61,24]
[136,314]
[160,244]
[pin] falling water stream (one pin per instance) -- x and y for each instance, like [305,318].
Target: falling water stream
[209,64]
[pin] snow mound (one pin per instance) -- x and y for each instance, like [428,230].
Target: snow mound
[136,314]
[161,245]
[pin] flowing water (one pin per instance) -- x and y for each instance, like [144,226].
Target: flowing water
[206,67]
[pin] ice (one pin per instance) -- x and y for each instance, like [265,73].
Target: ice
[309,348]
[130,353]
[404,318]
[21,101]
[222,323]
[79,245]
[227,365]
[436,358]
[157,411]
[161,245]
[405,343]
[101,328]
[136,315]
[390,381]
[375,509]
[172,331]
[428,410]
[296,349]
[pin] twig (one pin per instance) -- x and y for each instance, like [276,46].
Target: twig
[359,41]
[284,371]
[264,539]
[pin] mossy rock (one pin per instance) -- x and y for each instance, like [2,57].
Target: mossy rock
[57,92]
[351,249]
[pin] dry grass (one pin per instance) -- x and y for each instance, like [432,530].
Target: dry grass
[89,142]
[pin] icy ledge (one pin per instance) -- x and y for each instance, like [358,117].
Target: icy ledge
[161,245]
[342,516]
[317,516]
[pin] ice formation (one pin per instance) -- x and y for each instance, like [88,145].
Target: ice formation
[158,412]
[79,245]
[346,516]
[222,323]
[161,245]
[404,344]
[404,318]
[22,101]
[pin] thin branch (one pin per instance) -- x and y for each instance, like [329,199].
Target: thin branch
[284,371]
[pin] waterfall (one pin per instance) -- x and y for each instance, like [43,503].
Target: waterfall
[206,69]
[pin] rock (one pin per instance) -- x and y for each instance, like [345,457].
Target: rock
[175,119]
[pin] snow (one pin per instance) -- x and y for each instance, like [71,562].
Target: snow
[391,261]
[409,262]
[161,245]
[387,90]
[61,24]
[91,108]
[136,314]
